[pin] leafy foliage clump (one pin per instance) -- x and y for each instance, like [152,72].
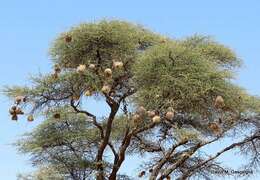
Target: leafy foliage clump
[114,40]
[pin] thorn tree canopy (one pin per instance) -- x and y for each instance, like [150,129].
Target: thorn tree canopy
[167,98]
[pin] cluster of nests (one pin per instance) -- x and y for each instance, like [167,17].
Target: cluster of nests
[81,68]
[214,126]
[142,173]
[16,110]
[155,116]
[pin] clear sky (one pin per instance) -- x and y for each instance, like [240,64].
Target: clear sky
[28,27]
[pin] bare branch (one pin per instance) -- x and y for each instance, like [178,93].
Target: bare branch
[232,146]
[94,119]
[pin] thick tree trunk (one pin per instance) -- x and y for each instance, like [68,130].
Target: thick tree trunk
[121,157]
[100,175]
[105,141]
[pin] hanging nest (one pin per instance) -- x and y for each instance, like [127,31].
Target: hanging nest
[88,93]
[57,116]
[108,72]
[68,38]
[112,93]
[185,155]
[15,111]
[118,64]
[169,115]
[219,102]
[81,68]
[151,114]
[156,119]
[19,99]
[92,66]
[30,118]
[106,89]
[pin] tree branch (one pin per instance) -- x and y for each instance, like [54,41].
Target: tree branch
[234,145]
[105,140]
[94,119]
[165,159]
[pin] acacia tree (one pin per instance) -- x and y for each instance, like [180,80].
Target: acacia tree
[167,98]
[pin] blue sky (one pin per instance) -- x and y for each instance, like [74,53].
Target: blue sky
[27,29]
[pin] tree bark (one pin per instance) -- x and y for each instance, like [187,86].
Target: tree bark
[105,141]
[121,156]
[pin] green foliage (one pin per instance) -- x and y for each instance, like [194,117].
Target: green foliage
[176,75]
[43,173]
[212,50]
[14,91]
[115,40]
[58,137]
[69,127]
